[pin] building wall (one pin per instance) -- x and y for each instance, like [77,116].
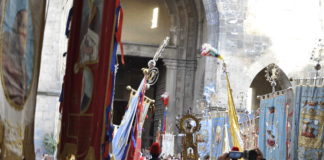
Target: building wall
[253,34]
[51,73]
[138,17]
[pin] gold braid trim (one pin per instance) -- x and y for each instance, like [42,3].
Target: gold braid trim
[69,151]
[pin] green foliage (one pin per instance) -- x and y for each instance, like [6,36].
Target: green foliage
[49,143]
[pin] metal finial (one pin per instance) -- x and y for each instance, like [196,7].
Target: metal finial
[272,75]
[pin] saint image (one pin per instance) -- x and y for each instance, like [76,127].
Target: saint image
[90,31]
[17,53]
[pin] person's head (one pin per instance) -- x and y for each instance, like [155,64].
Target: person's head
[155,150]
[20,28]
[206,157]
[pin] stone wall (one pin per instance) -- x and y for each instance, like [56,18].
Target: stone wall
[253,34]
[51,73]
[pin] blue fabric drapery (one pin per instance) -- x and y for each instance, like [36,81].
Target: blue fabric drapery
[120,141]
[272,127]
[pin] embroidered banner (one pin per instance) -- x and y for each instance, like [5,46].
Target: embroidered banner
[218,136]
[248,130]
[87,83]
[203,141]
[167,144]
[309,122]
[22,28]
[272,127]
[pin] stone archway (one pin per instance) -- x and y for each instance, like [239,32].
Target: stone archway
[179,57]
[260,86]
[181,67]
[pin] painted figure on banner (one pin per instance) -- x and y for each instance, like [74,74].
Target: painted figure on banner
[80,134]
[202,139]
[271,127]
[218,134]
[17,52]
[88,56]
[89,47]
[87,87]
[311,124]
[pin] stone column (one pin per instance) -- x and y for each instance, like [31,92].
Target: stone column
[189,84]
[212,19]
[171,87]
[175,78]
[180,77]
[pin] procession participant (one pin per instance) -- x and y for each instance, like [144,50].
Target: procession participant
[155,151]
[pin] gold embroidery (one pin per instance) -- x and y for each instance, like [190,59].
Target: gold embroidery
[13,136]
[311,127]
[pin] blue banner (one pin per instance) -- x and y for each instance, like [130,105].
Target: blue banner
[203,141]
[121,139]
[220,137]
[308,128]
[272,127]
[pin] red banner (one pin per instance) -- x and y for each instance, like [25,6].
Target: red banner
[87,79]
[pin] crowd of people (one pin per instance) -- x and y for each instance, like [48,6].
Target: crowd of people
[155,154]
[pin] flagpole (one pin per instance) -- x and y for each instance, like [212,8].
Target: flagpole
[232,116]
[151,74]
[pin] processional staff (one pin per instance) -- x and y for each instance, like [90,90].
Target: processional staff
[152,72]
[120,142]
[151,75]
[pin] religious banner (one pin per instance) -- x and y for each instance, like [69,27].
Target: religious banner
[143,107]
[203,141]
[248,130]
[218,136]
[88,80]
[167,144]
[272,125]
[289,124]
[22,27]
[309,122]
[121,141]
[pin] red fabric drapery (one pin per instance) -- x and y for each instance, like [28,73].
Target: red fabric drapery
[88,79]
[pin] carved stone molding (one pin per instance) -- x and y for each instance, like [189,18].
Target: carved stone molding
[174,64]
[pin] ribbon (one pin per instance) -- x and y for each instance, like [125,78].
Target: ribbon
[68,23]
[133,137]
[119,26]
[109,128]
